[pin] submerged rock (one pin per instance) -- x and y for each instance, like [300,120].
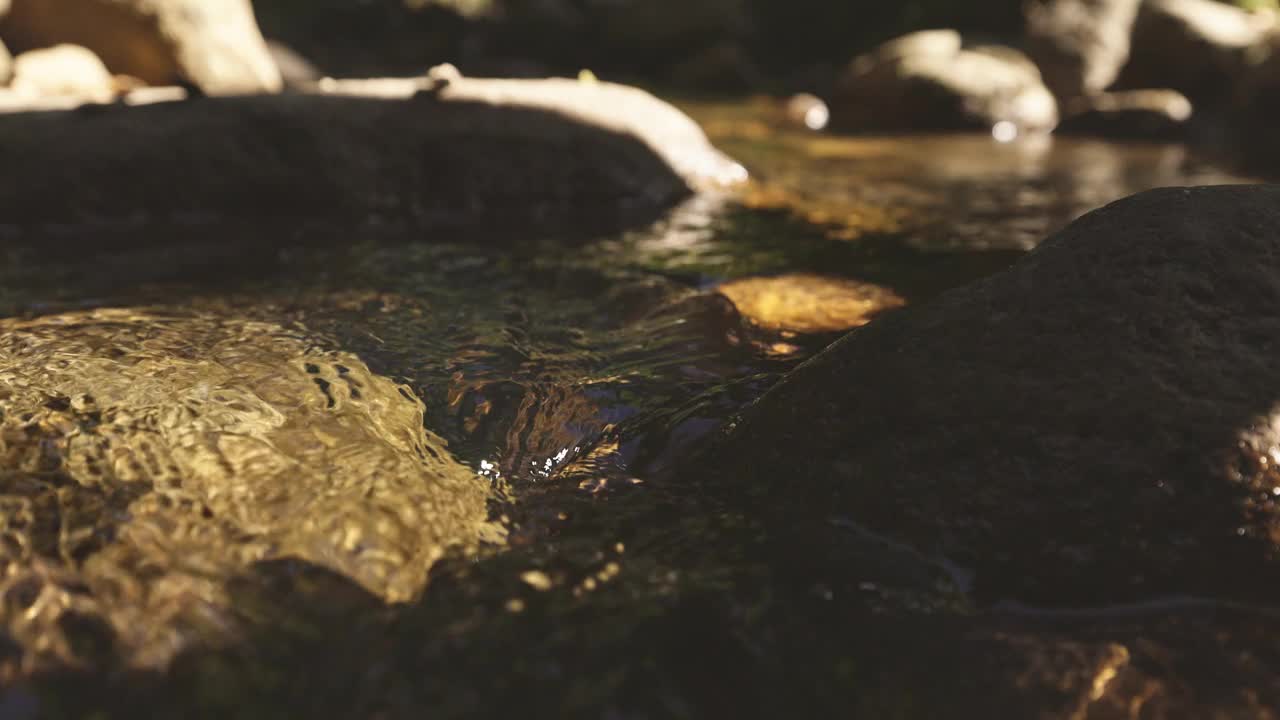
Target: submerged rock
[212,44]
[928,81]
[1200,48]
[428,152]
[149,460]
[1080,45]
[63,70]
[1137,114]
[808,303]
[1097,424]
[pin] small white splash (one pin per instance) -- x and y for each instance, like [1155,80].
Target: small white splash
[1004,131]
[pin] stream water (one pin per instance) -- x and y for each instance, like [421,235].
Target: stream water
[564,374]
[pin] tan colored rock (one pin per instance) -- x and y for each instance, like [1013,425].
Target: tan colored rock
[212,44]
[6,64]
[62,71]
[928,81]
[1080,45]
[1201,48]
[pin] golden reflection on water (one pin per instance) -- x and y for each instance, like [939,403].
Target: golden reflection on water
[805,303]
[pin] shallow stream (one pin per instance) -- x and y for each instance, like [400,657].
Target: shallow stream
[565,374]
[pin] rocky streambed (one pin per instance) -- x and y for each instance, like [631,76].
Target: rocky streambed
[407,443]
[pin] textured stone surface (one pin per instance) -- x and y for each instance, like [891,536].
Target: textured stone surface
[1097,424]
[212,44]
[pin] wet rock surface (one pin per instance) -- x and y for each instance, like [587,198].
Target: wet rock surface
[63,70]
[808,303]
[1103,430]
[213,44]
[471,153]
[929,81]
[150,460]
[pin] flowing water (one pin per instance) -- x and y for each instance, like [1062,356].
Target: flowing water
[446,488]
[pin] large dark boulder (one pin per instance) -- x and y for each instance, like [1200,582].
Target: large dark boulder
[1098,424]
[430,153]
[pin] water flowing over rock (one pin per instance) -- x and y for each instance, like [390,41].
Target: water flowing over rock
[1080,45]
[1097,424]
[927,80]
[151,460]
[470,153]
[212,44]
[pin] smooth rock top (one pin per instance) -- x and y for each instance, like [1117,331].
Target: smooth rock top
[621,109]
[472,153]
[213,44]
[1097,424]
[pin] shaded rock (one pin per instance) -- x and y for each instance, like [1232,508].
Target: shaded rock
[475,153]
[176,451]
[1080,45]
[1200,48]
[295,70]
[212,44]
[927,81]
[63,70]
[1095,425]
[1139,114]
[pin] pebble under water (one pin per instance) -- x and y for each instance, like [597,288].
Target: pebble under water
[370,475]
